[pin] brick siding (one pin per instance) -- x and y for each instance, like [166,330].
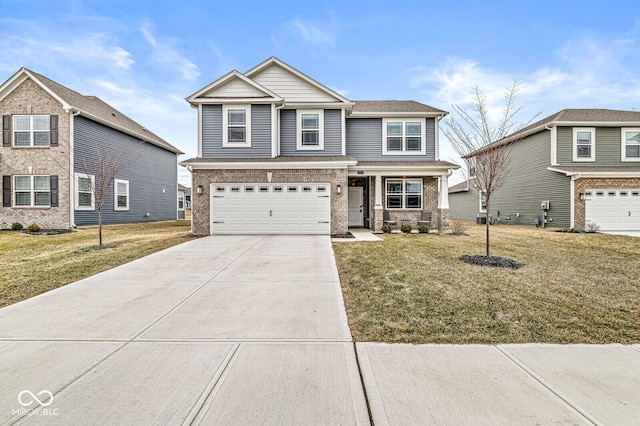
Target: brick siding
[581,186]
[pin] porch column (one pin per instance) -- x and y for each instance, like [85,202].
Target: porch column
[443,203]
[377,206]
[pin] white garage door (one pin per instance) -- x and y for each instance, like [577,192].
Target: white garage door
[613,209]
[270,208]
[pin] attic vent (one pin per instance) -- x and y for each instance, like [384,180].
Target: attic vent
[113,114]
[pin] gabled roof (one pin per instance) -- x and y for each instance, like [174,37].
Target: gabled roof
[363,108]
[460,187]
[574,117]
[250,90]
[255,72]
[91,107]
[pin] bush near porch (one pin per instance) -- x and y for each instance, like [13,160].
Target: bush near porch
[574,288]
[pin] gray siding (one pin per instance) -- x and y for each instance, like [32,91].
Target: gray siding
[152,176]
[332,134]
[260,134]
[607,147]
[364,141]
[529,183]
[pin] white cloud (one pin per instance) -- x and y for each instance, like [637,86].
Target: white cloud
[165,52]
[316,31]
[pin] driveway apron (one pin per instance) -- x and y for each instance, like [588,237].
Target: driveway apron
[220,330]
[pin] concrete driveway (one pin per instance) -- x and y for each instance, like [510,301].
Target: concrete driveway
[187,336]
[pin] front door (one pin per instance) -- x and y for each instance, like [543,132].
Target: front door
[356,215]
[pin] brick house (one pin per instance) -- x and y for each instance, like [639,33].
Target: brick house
[279,152]
[574,169]
[48,131]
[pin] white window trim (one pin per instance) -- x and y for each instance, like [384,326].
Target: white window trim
[320,146]
[423,138]
[31,131]
[115,195]
[623,144]
[31,190]
[181,194]
[404,194]
[78,176]
[480,209]
[225,124]
[592,130]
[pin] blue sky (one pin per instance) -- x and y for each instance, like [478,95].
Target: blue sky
[144,58]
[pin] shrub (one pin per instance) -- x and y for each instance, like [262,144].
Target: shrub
[33,227]
[457,227]
[406,228]
[386,228]
[591,228]
[16,226]
[423,229]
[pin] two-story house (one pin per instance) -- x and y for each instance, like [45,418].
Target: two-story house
[279,152]
[575,168]
[52,135]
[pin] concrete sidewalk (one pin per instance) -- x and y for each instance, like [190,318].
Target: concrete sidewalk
[220,330]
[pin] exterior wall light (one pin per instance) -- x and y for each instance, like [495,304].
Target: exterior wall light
[199,189]
[339,189]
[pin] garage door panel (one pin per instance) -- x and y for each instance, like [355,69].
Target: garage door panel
[271,208]
[613,209]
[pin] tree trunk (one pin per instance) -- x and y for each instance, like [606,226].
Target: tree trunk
[487,225]
[100,227]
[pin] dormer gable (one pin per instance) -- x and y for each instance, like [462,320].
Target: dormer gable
[234,87]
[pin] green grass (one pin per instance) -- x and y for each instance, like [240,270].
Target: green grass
[34,264]
[573,288]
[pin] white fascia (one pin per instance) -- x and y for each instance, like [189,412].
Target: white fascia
[270,165]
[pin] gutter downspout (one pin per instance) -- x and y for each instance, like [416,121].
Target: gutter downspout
[277,118]
[72,180]
[572,192]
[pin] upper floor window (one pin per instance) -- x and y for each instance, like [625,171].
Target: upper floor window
[404,193]
[236,126]
[630,145]
[403,136]
[584,144]
[32,191]
[31,130]
[121,194]
[310,133]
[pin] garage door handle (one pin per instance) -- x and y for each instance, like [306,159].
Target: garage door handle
[323,222]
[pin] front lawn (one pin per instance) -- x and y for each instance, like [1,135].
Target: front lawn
[33,264]
[573,288]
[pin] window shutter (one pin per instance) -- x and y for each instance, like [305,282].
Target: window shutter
[6,191]
[53,183]
[53,128]
[6,130]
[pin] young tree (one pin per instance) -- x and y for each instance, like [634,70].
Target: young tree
[103,164]
[476,139]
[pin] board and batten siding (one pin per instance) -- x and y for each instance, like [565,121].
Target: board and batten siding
[529,183]
[152,175]
[364,141]
[607,148]
[212,134]
[332,134]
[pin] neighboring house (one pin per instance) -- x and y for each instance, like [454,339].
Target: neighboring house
[184,201]
[575,168]
[48,131]
[279,152]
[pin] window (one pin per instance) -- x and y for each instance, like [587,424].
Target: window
[31,191]
[180,200]
[403,137]
[404,193]
[584,144]
[121,194]
[85,199]
[310,130]
[483,202]
[630,145]
[236,123]
[31,130]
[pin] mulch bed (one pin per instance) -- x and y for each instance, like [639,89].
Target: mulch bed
[495,261]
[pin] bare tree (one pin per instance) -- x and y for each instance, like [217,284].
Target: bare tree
[478,141]
[104,164]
